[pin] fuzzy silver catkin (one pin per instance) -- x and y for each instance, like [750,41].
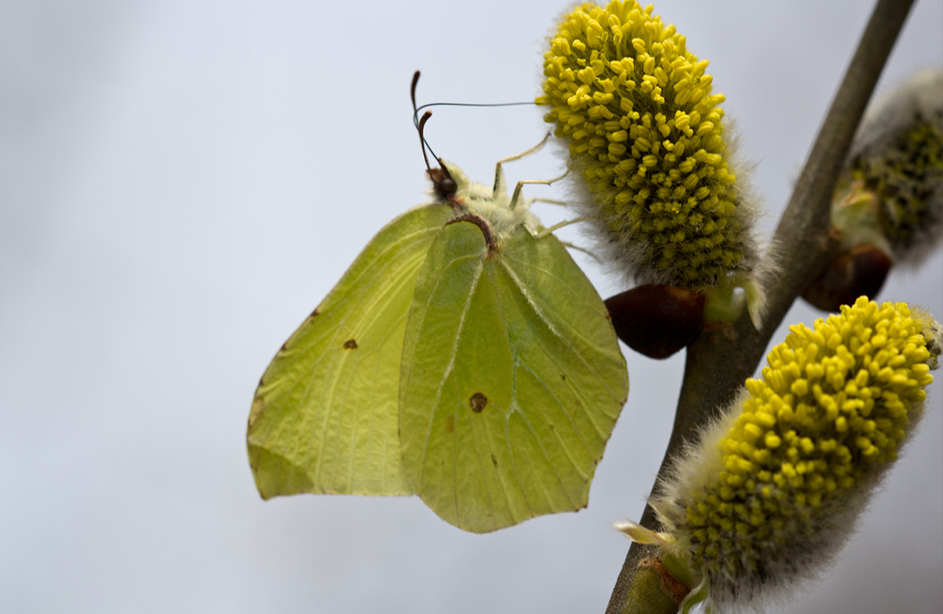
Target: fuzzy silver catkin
[897,157]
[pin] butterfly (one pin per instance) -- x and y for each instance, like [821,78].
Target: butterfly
[463,357]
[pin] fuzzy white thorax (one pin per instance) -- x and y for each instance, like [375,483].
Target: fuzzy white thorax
[493,203]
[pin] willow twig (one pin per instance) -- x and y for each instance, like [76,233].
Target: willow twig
[721,359]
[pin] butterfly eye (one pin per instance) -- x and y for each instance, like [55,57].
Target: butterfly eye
[442,182]
[447,186]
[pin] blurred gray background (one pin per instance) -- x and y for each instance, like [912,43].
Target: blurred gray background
[182,182]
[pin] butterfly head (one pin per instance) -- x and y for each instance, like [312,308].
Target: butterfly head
[443,184]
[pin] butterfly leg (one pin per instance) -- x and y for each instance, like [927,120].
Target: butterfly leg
[520,184]
[582,249]
[533,149]
[549,201]
[499,174]
[546,231]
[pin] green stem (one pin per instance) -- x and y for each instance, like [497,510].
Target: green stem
[654,590]
[721,359]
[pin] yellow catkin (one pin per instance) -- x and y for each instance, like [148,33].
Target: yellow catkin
[777,491]
[646,132]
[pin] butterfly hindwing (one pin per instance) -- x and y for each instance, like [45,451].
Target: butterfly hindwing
[511,383]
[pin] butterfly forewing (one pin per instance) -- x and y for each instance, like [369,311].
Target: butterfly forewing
[324,418]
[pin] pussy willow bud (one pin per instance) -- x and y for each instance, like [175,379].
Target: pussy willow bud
[657,320]
[860,271]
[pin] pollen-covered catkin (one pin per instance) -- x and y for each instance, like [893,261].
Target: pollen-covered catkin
[773,489]
[646,137]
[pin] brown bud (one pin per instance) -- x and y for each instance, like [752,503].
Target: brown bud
[860,271]
[657,320]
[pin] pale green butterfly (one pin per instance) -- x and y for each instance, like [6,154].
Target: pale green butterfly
[463,357]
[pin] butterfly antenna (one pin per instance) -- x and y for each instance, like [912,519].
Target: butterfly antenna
[419,123]
[442,180]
